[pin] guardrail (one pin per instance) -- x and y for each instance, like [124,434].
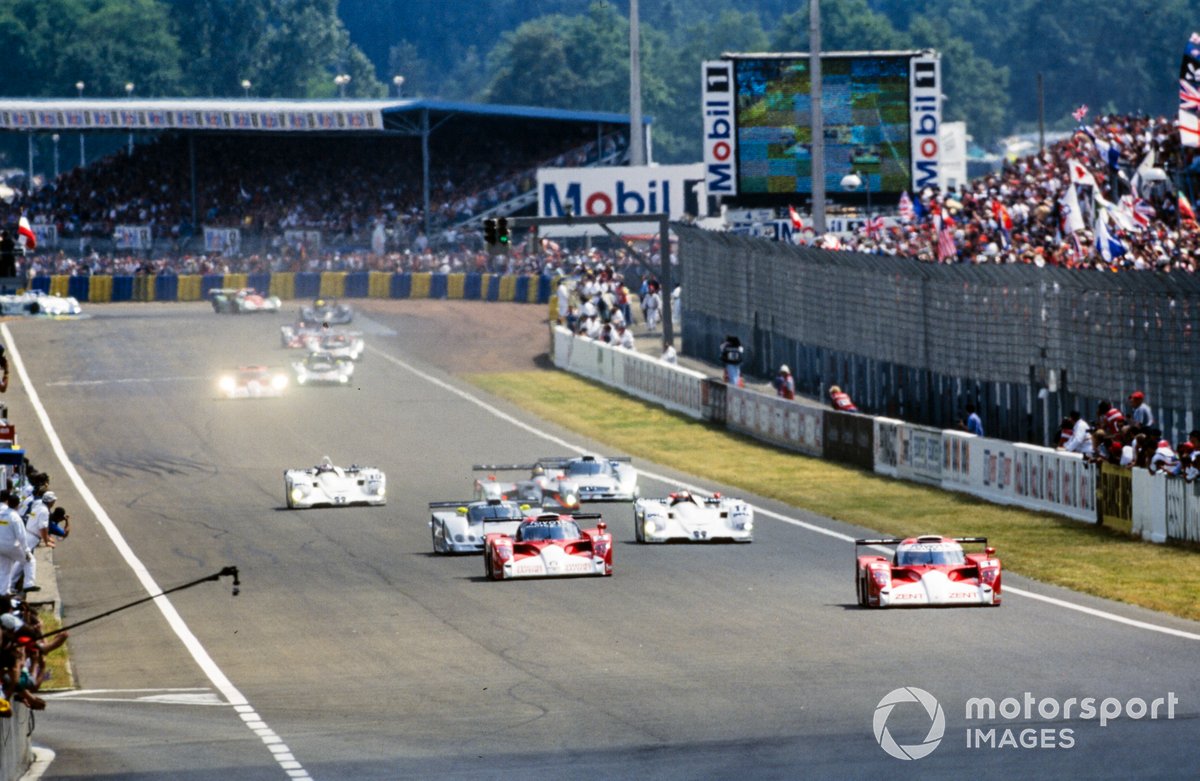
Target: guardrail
[1153,507]
[97,289]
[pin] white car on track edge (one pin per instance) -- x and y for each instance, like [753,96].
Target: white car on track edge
[326,485]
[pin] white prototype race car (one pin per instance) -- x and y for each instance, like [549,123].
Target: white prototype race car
[597,478]
[461,527]
[340,344]
[252,382]
[323,369]
[326,485]
[687,516]
[35,302]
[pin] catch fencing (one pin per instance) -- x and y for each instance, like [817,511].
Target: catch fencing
[918,341]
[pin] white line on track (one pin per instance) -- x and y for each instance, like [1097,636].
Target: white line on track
[122,381]
[174,620]
[1091,611]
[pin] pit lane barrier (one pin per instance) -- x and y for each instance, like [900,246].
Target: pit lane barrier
[1153,507]
[99,289]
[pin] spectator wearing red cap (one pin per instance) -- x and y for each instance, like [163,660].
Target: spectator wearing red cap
[1188,465]
[1111,419]
[1164,459]
[1141,413]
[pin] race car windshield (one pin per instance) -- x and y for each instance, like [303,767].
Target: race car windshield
[586,468]
[925,556]
[494,512]
[549,530]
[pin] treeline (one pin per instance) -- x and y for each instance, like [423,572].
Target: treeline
[1113,56]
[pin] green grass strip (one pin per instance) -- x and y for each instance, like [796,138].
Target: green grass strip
[1079,556]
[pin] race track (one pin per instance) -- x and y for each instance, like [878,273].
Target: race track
[362,656]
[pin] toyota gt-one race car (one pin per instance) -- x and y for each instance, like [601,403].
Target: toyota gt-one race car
[687,516]
[326,485]
[252,382]
[323,369]
[324,310]
[463,528]
[300,335]
[929,570]
[238,301]
[542,489]
[549,546]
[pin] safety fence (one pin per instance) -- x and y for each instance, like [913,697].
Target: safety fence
[1155,507]
[303,284]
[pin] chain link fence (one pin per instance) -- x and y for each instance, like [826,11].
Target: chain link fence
[920,341]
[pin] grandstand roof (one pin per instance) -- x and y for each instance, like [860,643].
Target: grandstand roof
[247,114]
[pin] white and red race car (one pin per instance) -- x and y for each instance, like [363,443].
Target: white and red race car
[928,570]
[252,382]
[550,546]
[547,489]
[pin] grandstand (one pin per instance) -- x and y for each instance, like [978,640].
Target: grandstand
[427,168]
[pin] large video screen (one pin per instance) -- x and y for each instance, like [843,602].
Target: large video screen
[865,106]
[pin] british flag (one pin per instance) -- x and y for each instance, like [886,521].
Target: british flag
[1189,97]
[873,225]
[1080,113]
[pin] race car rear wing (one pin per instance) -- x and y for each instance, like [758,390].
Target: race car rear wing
[897,540]
[501,467]
[561,460]
[433,505]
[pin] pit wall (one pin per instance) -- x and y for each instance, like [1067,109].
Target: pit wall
[316,284]
[1153,507]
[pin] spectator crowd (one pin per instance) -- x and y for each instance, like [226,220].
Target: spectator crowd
[1102,198]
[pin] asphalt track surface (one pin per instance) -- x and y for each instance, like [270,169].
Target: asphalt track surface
[360,655]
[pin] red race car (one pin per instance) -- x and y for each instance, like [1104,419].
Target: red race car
[929,570]
[550,546]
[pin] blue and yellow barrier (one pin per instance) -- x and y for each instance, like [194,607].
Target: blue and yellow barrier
[302,285]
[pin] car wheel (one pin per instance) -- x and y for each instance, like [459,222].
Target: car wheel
[639,533]
[487,564]
[433,534]
[863,594]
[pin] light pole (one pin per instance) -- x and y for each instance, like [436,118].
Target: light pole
[246,88]
[79,85]
[341,80]
[129,94]
[54,138]
[399,82]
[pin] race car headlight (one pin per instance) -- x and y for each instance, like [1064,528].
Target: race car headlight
[747,524]
[650,526]
[570,500]
[344,379]
[297,494]
[881,576]
[227,384]
[279,382]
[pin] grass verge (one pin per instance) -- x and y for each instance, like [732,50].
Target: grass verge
[1079,556]
[59,660]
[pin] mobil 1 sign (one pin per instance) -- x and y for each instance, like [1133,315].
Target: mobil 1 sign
[617,190]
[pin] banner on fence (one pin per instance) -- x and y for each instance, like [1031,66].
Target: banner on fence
[47,234]
[227,241]
[309,241]
[133,237]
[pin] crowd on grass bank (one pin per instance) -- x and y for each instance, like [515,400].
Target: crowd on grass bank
[1103,198]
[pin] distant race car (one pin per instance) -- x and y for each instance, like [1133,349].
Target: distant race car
[35,302]
[252,382]
[929,570]
[687,516]
[323,369]
[340,344]
[326,485]
[548,546]
[460,527]
[543,489]
[324,310]
[598,479]
[241,300]
[300,335]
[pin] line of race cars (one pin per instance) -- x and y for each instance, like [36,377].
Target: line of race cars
[331,353]
[533,528]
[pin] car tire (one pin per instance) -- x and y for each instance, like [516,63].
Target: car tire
[861,587]
[433,529]
[487,564]
[639,533]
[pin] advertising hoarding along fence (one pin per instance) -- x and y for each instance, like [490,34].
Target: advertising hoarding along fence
[596,192]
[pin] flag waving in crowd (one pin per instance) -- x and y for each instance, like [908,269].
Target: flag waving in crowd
[1080,113]
[906,208]
[25,231]
[797,223]
[1189,93]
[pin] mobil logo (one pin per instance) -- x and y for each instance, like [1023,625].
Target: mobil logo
[624,197]
[615,191]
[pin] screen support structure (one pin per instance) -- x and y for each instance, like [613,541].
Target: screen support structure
[604,221]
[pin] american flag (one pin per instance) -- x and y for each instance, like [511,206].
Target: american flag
[945,247]
[906,207]
[1080,113]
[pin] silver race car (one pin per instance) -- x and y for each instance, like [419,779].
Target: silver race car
[323,369]
[460,527]
[326,485]
[542,488]
[340,344]
[597,478]
[687,516]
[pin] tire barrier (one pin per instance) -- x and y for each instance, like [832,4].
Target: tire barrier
[287,285]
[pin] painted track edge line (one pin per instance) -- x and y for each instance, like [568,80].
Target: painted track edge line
[1091,611]
[165,606]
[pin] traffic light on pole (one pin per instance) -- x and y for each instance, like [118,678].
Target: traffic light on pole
[502,234]
[489,234]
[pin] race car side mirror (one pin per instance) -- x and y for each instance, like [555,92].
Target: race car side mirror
[989,552]
[602,526]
